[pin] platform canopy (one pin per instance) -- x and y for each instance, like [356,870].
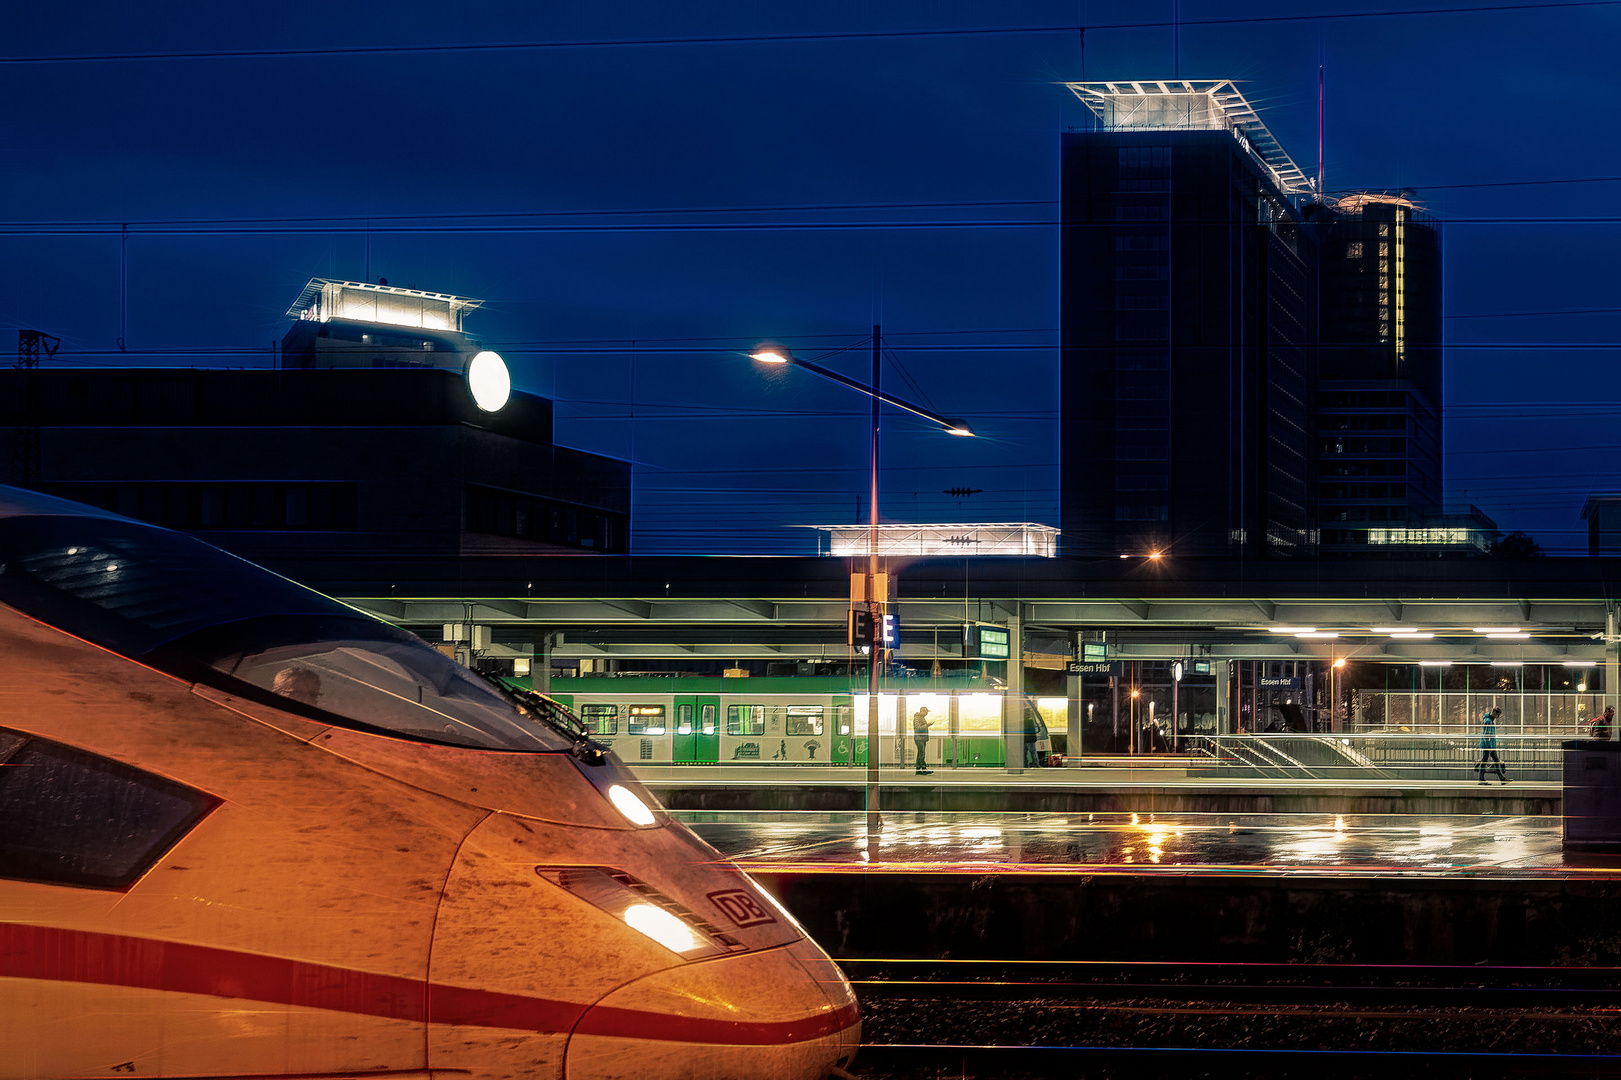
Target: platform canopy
[1192,105]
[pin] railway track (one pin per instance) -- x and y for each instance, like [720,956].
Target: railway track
[1031,1019]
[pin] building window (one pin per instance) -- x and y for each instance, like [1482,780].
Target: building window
[532,517]
[1353,250]
[198,507]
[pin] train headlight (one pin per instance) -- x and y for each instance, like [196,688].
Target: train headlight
[663,928]
[626,802]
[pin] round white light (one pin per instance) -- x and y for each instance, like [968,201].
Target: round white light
[626,802]
[488,379]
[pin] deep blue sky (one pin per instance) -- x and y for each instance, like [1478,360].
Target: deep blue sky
[628,140]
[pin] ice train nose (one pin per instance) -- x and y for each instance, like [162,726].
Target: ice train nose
[785,1014]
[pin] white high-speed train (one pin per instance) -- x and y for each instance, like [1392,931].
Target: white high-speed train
[248,830]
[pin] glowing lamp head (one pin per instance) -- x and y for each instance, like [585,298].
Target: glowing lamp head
[960,427]
[769,352]
[487,378]
[1340,663]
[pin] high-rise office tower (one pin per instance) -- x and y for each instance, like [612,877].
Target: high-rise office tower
[1378,399]
[1188,309]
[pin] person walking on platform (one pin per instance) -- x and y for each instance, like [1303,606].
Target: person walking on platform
[1488,745]
[1603,723]
[920,735]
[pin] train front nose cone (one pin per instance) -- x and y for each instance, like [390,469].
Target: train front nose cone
[785,1014]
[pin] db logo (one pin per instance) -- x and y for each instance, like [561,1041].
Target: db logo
[741,907]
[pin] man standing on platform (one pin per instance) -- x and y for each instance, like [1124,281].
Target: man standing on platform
[920,735]
[1488,744]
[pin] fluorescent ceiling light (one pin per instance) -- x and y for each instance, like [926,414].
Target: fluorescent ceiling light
[1317,634]
[1294,629]
[1391,629]
[1510,636]
[1435,663]
[1497,629]
[1407,634]
[1508,663]
[1578,663]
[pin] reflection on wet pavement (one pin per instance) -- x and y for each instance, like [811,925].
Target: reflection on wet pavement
[1313,844]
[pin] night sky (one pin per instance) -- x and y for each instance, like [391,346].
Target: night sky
[636,212]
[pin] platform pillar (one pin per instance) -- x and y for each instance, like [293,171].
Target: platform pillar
[1072,722]
[1224,724]
[1612,656]
[1013,697]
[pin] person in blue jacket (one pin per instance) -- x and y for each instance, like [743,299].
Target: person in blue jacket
[1488,745]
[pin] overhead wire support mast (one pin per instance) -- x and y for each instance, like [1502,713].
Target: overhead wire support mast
[772,353]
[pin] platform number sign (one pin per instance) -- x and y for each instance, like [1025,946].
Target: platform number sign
[741,907]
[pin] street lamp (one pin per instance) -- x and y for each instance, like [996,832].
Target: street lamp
[771,352]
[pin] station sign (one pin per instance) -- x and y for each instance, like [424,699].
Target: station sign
[1278,682]
[984,642]
[1093,667]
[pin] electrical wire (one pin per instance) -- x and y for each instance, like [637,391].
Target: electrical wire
[756,39]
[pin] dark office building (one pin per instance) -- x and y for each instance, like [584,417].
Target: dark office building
[387,431]
[1188,308]
[1377,431]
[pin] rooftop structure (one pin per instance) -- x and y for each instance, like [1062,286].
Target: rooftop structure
[1023,538]
[1192,105]
[325,299]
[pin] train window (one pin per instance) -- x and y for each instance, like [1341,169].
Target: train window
[804,720]
[683,719]
[647,720]
[843,713]
[745,719]
[76,819]
[600,719]
[361,672]
[709,719]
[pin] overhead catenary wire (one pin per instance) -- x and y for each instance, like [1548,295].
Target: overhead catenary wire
[756,39]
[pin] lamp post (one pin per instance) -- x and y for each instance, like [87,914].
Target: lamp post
[772,353]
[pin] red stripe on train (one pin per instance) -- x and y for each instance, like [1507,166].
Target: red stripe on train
[83,956]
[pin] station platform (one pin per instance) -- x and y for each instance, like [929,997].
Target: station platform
[1310,888]
[1177,844]
[1164,786]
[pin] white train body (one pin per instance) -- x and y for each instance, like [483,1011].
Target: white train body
[211,865]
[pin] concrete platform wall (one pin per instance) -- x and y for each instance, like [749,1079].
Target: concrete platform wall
[1124,917]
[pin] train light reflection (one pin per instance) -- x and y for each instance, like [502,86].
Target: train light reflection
[626,802]
[662,927]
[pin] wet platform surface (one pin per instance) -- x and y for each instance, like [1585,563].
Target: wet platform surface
[1315,845]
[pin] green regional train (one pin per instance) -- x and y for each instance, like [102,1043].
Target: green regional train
[788,721]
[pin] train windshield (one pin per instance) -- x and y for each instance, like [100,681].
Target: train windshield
[201,613]
[372,674]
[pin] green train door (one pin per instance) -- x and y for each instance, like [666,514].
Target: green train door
[684,745]
[707,728]
[840,725]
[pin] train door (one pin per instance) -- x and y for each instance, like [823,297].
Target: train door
[843,710]
[684,745]
[706,728]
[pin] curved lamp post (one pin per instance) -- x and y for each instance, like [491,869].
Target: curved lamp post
[772,353]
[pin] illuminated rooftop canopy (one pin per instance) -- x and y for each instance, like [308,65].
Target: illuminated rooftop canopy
[845,541]
[325,299]
[1192,105]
